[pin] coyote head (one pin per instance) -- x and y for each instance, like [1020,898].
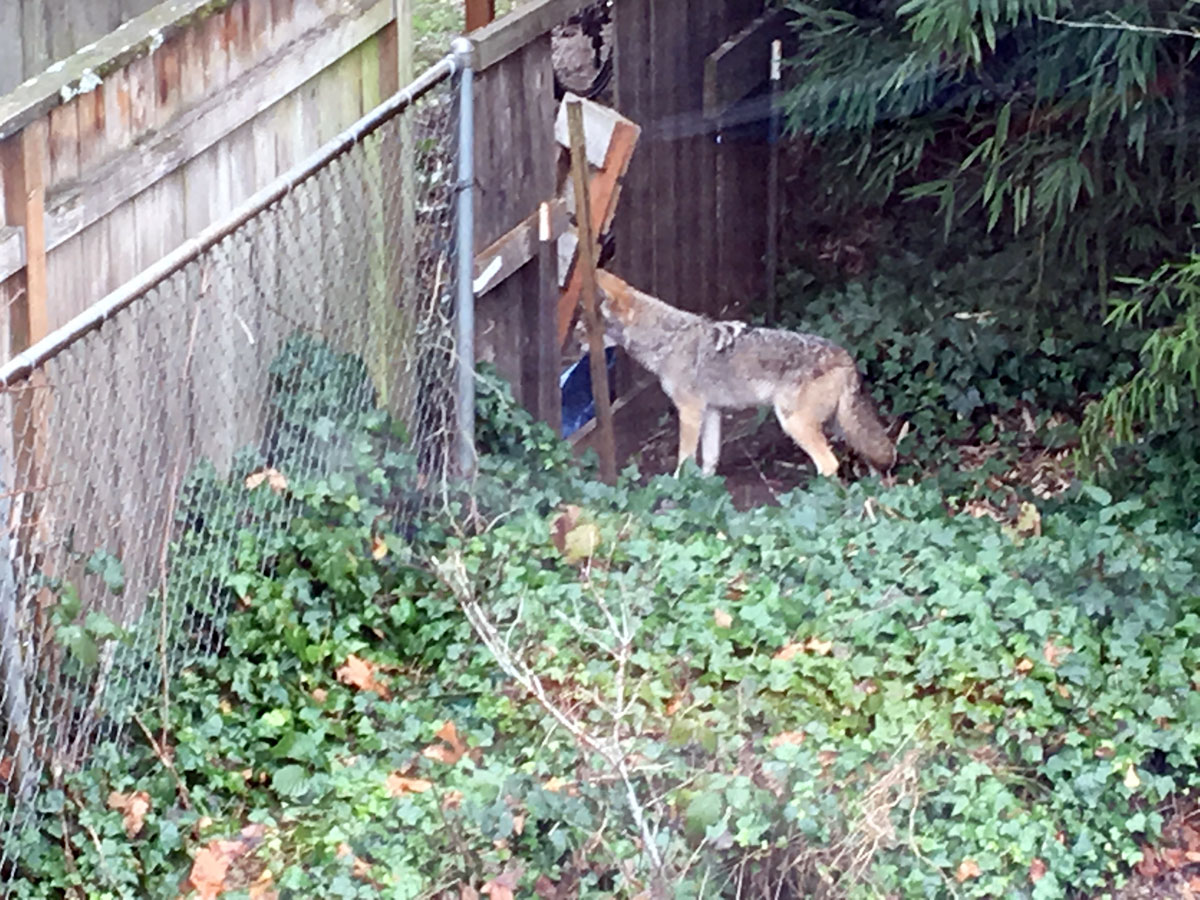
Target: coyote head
[616,306]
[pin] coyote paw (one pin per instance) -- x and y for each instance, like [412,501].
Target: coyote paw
[725,333]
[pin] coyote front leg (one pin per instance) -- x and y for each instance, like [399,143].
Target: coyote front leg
[710,440]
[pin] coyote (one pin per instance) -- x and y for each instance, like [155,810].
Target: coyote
[706,366]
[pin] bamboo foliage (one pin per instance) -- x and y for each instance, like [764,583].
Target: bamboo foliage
[1064,120]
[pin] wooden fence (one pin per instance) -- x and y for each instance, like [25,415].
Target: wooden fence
[691,224]
[36,33]
[138,142]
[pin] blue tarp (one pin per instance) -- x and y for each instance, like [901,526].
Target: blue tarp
[576,386]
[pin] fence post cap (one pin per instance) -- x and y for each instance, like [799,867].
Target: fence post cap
[463,50]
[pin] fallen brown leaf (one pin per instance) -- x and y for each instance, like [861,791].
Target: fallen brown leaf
[263,887]
[787,737]
[360,673]
[722,618]
[399,785]
[1054,653]
[967,869]
[819,647]
[207,876]
[1131,779]
[450,750]
[133,808]
[503,886]
[273,477]
[788,651]
[1037,870]
[211,863]
[1148,866]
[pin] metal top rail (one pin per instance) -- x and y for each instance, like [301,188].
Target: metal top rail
[22,364]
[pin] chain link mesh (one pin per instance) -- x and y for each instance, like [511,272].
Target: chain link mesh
[255,362]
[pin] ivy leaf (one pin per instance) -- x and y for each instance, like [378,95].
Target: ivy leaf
[290,781]
[80,643]
[704,811]
[109,568]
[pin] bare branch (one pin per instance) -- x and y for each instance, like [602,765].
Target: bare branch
[1119,24]
[453,574]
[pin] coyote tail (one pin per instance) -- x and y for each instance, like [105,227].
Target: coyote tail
[864,430]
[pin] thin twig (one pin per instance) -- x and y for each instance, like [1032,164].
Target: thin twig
[160,752]
[452,573]
[68,850]
[1119,24]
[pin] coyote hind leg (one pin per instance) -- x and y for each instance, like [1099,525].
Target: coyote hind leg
[691,417]
[803,413]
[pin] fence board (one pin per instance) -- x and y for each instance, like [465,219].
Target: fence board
[35,33]
[516,170]
[634,258]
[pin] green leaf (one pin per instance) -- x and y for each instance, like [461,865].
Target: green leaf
[109,568]
[290,781]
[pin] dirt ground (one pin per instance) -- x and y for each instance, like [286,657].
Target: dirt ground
[758,461]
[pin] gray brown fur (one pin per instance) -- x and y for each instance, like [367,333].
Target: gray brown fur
[705,366]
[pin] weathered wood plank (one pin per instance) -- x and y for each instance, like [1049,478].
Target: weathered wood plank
[93,147]
[513,32]
[603,190]
[598,124]
[480,13]
[74,206]
[504,256]
[644,402]
[111,52]
[33,171]
[632,228]
[69,293]
[12,66]
[741,63]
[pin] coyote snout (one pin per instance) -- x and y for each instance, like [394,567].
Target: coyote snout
[706,366]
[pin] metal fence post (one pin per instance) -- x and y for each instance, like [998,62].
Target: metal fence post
[465,318]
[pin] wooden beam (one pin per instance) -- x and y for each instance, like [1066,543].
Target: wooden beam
[599,122]
[526,23]
[587,267]
[480,13]
[74,207]
[740,64]
[24,160]
[78,73]
[504,256]
[639,405]
[604,188]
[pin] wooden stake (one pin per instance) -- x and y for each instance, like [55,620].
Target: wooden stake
[587,269]
[480,13]
[548,354]
[772,253]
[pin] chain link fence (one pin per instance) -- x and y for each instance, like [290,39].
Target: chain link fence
[257,358]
